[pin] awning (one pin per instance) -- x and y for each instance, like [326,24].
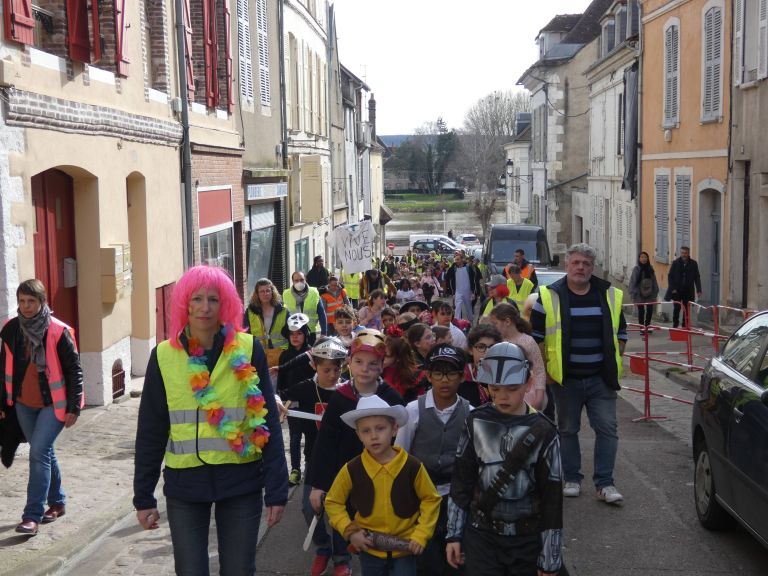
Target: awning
[385,214]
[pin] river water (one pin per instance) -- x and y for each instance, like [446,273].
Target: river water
[406,223]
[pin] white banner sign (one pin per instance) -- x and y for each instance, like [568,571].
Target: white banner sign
[354,245]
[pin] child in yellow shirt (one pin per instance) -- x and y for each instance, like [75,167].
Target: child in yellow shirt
[393,498]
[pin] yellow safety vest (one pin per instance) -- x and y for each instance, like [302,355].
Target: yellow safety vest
[275,338]
[310,305]
[351,284]
[553,330]
[491,304]
[519,296]
[192,441]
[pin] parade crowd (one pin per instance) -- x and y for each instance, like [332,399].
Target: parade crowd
[433,411]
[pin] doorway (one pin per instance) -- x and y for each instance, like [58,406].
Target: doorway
[710,244]
[54,242]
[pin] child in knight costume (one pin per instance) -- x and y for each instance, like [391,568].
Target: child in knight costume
[505,512]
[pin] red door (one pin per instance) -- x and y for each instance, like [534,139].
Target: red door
[54,239]
[163,312]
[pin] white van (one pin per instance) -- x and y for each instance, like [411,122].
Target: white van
[442,237]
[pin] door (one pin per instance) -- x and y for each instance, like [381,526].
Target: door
[54,242]
[163,311]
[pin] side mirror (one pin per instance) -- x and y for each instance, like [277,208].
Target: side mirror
[555,260]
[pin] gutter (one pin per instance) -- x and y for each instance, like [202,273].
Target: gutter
[188,238]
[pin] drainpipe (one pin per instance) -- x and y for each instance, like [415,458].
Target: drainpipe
[186,148]
[639,145]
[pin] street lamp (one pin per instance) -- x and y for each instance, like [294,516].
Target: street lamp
[444,226]
[510,173]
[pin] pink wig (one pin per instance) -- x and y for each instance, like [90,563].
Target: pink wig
[212,278]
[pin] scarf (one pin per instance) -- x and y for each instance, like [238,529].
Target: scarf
[34,330]
[646,271]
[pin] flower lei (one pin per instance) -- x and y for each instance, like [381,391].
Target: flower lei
[246,437]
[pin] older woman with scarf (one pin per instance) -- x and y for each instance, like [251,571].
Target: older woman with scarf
[44,383]
[208,409]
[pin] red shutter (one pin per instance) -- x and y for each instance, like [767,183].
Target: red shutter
[120,60]
[19,21]
[96,30]
[78,37]
[210,44]
[188,50]
[228,25]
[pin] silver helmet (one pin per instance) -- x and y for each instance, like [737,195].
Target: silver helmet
[329,348]
[505,364]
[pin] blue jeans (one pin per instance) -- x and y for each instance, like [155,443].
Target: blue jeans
[237,531]
[600,401]
[41,428]
[375,566]
[327,545]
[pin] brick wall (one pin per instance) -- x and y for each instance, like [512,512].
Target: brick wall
[56,42]
[220,167]
[155,43]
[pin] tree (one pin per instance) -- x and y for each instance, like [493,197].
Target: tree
[484,206]
[438,145]
[488,125]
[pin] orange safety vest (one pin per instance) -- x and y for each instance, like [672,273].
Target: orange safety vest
[332,303]
[56,382]
[524,272]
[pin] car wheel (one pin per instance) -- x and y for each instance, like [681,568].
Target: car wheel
[711,515]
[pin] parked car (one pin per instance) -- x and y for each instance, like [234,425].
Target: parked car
[427,246]
[730,433]
[547,277]
[468,239]
[413,238]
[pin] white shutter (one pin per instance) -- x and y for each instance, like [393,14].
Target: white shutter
[668,77]
[717,62]
[762,40]
[307,92]
[265,88]
[662,218]
[682,212]
[708,111]
[289,83]
[738,42]
[244,64]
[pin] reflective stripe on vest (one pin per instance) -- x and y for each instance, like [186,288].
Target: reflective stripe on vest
[310,305]
[275,336]
[520,296]
[192,441]
[351,284]
[553,330]
[54,373]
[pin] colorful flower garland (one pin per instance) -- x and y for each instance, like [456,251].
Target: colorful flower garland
[248,436]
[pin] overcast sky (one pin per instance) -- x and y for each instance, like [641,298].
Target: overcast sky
[428,58]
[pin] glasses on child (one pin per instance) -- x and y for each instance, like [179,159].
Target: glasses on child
[481,347]
[445,375]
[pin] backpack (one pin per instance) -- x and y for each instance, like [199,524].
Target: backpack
[646,287]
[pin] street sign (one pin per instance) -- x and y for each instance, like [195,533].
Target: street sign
[391,245]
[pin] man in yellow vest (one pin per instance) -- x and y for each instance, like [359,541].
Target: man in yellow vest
[351,283]
[306,299]
[580,328]
[519,288]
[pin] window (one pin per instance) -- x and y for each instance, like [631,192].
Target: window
[301,254]
[265,88]
[621,25]
[217,249]
[156,24]
[672,74]
[244,63]
[292,92]
[750,43]
[711,98]
[633,19]
[682,211]
[661,188]
[608,39]
[211,56]
[742,351]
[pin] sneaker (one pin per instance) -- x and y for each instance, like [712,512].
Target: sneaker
[342,570]
[571,489]
[319,564]
[294,477]
[610,495]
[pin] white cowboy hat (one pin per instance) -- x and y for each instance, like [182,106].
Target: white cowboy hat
[375,406]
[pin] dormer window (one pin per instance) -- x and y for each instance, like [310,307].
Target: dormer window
[621,25]
[608,39]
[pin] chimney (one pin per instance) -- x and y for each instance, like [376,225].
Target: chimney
[372,116]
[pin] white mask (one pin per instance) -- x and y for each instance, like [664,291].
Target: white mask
[299,286]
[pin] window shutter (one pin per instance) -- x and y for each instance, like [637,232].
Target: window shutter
[307,92]
[311,189]
[738,42]
[209,43]
[77,31]
[634,15]
[682,212]
[19,21]
[120,60]
[662,218]
[188,50]
[289,82]
[621,26]
[228,48]
[717,62]
[244,62]
[672,76]
[709,31]
[265,88]
[762,40]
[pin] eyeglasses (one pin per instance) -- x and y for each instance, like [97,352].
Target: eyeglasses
[481,347]
[445,375]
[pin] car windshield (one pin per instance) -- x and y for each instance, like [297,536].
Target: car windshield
[469,238]
[547,278]
[503,250]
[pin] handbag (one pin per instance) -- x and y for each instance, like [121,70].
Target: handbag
[646,287]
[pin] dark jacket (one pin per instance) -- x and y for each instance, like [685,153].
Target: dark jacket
[683,277]
[474,280]
[68,357]
[318,276]
[610,372]
[206,483]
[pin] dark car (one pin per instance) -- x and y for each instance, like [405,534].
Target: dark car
[730,433]
[427,246]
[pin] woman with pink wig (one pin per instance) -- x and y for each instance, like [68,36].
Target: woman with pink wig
[208,409]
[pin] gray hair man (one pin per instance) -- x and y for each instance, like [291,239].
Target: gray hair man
[583,359]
